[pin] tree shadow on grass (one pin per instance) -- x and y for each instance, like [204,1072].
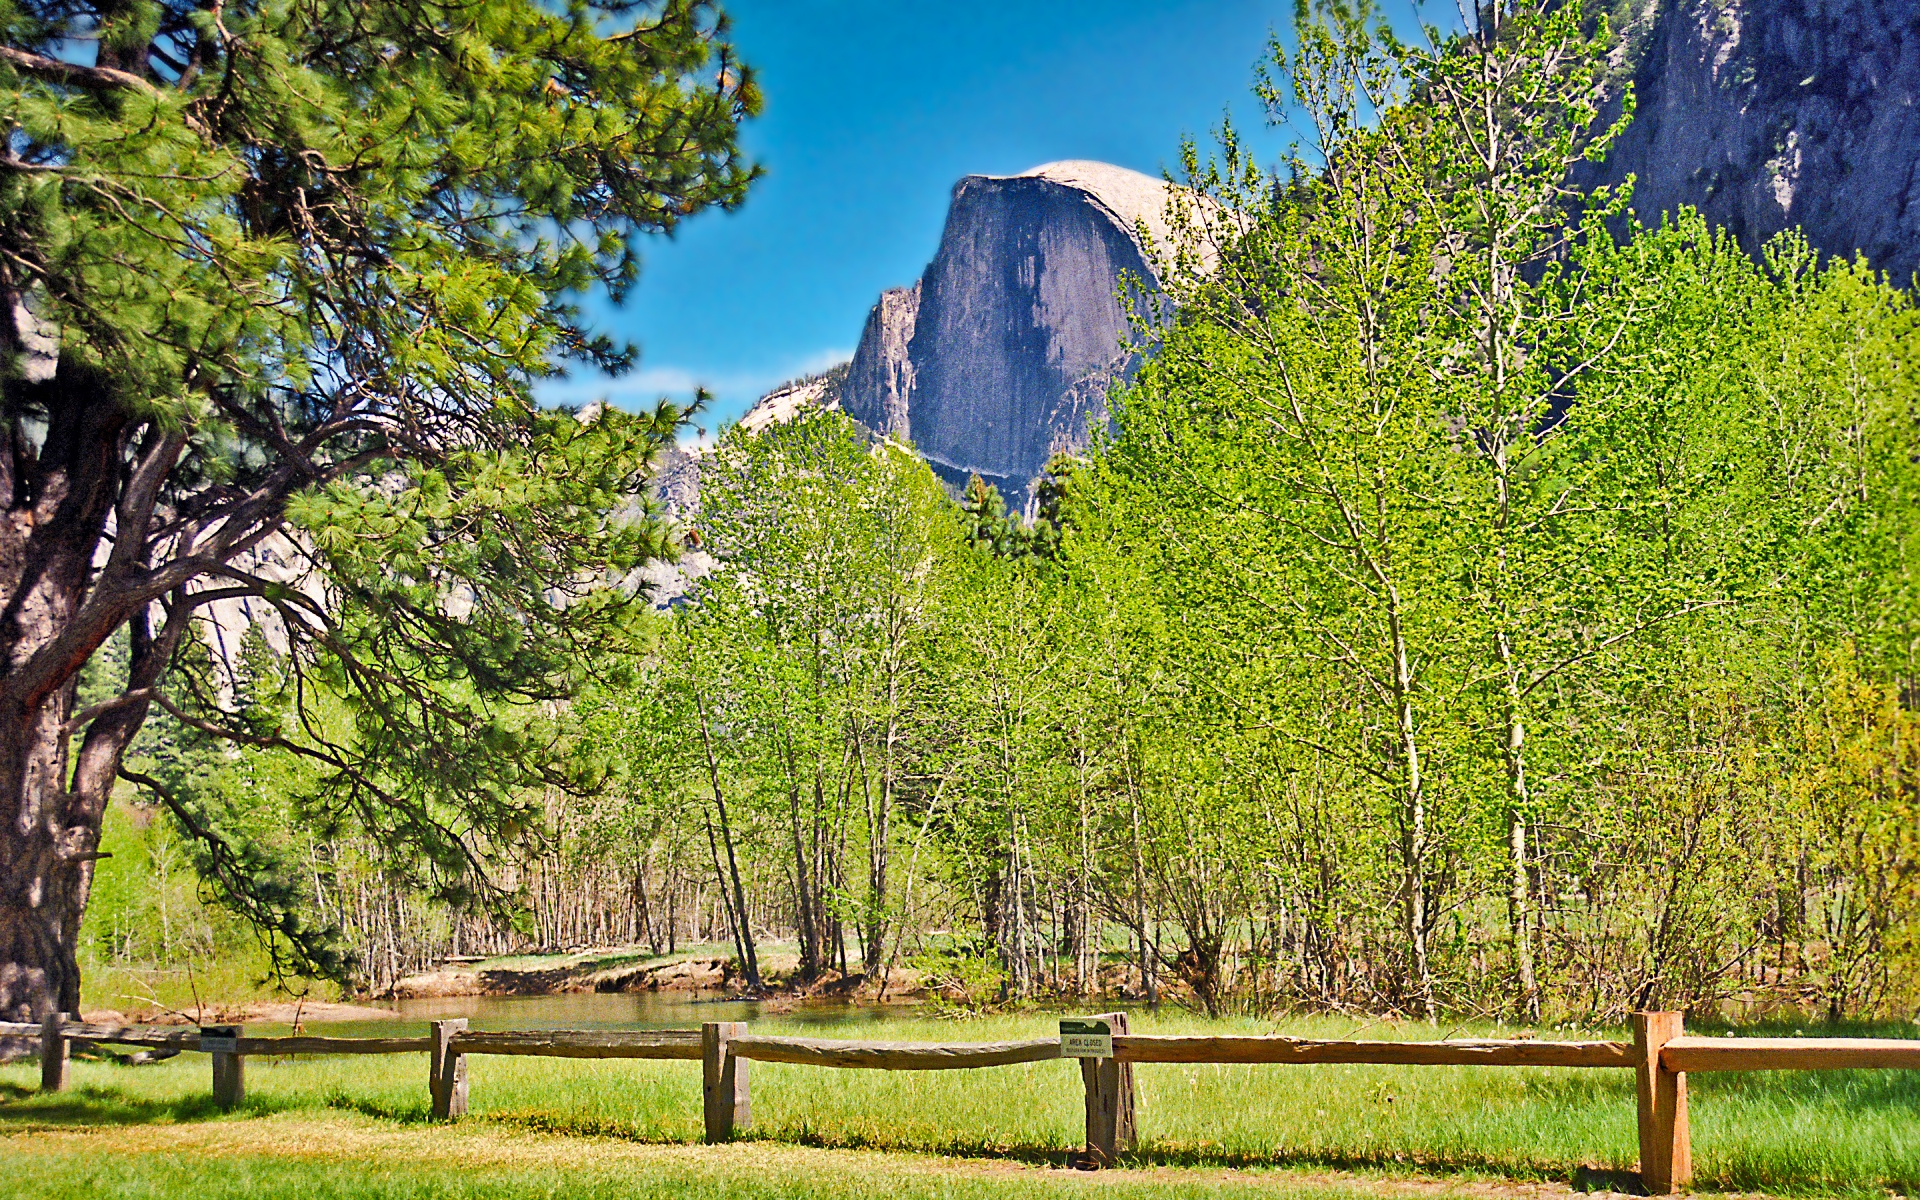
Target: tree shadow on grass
[400,1113]
[538,1121]
[1602,1179]
[1457,1167]
[23,1109]
[1174,1154]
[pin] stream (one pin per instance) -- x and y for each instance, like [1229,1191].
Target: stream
[610,1010]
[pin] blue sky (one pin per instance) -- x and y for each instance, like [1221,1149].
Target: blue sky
[873,111]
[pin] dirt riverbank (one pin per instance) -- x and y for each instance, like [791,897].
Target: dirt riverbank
[631,970]
[278,1012]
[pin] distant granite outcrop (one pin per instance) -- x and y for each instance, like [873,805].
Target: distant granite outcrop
[782,403]
[1002,353]
[676,480]
[1770,114]
[880,377]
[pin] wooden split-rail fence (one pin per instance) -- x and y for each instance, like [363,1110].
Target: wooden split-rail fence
[1661,1056]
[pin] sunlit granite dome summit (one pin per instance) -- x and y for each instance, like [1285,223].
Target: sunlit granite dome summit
[1002,353]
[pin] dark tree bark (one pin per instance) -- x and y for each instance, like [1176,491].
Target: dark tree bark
[63,491]
[177,360]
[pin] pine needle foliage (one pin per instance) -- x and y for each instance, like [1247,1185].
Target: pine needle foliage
[279,278]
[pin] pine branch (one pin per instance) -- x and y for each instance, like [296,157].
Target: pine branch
[53,70]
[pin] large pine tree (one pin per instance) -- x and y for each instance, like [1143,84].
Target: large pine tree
[277,278]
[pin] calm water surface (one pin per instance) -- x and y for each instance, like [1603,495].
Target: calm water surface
[594,1010]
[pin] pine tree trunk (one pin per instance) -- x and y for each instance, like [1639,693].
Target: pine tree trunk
[56,608]
[43,891]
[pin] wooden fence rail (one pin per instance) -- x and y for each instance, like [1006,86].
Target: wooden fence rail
[1660,1055]
[176,1038]
[894,1056]
[1789,1054]
[567,1043]
[1181,1048]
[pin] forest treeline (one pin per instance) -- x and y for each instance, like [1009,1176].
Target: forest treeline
[1482,601]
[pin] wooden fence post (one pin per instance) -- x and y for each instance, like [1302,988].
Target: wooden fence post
[1111,1120]
[447,1067]
[229,1070]
[53,1054]
[725,1099]
[1666,1149]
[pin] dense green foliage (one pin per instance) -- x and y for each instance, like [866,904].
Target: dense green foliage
[1471,608]
[278,281]
[1481,602]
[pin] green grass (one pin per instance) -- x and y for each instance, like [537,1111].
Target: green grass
[322,1157]
[1836,1132]
[230,978]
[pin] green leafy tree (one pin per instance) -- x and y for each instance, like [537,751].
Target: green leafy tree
[989,525]
[992,528]
[999,654]
[1294,411]
[833,560]
[278,281]
[1509,107]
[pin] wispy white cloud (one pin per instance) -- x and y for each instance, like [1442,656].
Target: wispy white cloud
[820,360]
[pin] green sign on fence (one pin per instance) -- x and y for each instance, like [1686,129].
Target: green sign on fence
[1082,1037]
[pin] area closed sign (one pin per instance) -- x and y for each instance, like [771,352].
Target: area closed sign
[1086,1038]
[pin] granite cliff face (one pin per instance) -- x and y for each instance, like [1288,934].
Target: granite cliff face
[880,377]
[1764,114]
[1769,114]
[1002,353]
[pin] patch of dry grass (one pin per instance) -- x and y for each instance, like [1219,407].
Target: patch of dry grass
[323,1154]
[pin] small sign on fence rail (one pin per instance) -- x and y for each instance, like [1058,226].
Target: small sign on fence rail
[1084,1038]
[220,1039]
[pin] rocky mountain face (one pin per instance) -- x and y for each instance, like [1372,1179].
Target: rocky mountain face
[1770,114]
[880,377]
[1002,353]
[1764,114]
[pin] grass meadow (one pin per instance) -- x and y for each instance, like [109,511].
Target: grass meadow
[152,1130]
